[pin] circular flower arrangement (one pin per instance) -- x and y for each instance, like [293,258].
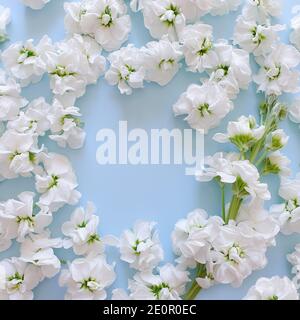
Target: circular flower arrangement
[222,249]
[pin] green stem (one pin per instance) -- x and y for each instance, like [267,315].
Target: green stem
[223,201]
[195,288]
[256,150]
[261,159]
[234,208]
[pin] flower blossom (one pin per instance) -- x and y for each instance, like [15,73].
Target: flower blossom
[35,4]
[126,69]
[277,74]
[25,61]
[204,105]
[20,279]
[161,60]
[87,278]
[262,10]
[295,25]
[274,288]
[294,260]
[56,182]
[140,247]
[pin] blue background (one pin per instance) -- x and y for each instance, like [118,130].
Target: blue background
[124,194]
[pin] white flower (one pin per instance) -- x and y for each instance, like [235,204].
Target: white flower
[25,61]
[255,222]
[19,154]
[295,25]
[164,17]
[197,46]
[168,285]
[38,250]
[244,133]
[35,4]
[20,279]
[126,69]
[258,39]
[294,259]
[194,9]
[56,182]
[275,288]
[235,256]
[65,125]
[261,10]
[192,237]
[68,68]
[140,247]
[82,231]
[204,105]
[20,219]
[106,20]
[10,98]
[33,119]
[288,213]
[277,140]
[232,69]
[221,7]
[92,52]
[276,74]
[5,240]
[5,16]
[162,60]
[87,279]
[294,111]
[218,166]
[277,163]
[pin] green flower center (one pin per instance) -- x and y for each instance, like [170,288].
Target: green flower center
[106,17]
[54,182]
[156,289]
[93,238]
[205,47]
[258,37]
[28,219]
[204,110]
[62,72]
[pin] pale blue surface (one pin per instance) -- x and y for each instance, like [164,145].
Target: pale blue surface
[124,194]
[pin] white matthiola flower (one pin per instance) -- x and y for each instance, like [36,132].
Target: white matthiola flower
[276,74]
[192,237]
[10,98]
[35,4]
[20,279]
[218,166]
[5,14]
[295,25]
[126,69]
[277,140]
[221,7]
[244,133]
[20,219]
[255,222]
[168,285]
[140,247]
[197,46]
[33,119]
[288,213]
[107,21]
[19,154]
[275,288]
[277,163]
[294,259]
[25,61]
[261,10]
[68,68]
[65,125]
[232,69]
[91,50]
[37,249]
[256,38]
[247,180]
[194,9]
[87,279]
[204,105]
[162,60]
[82,231]
[5,240]
[56,182]
[164,17]
[74,12]
[235,256]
